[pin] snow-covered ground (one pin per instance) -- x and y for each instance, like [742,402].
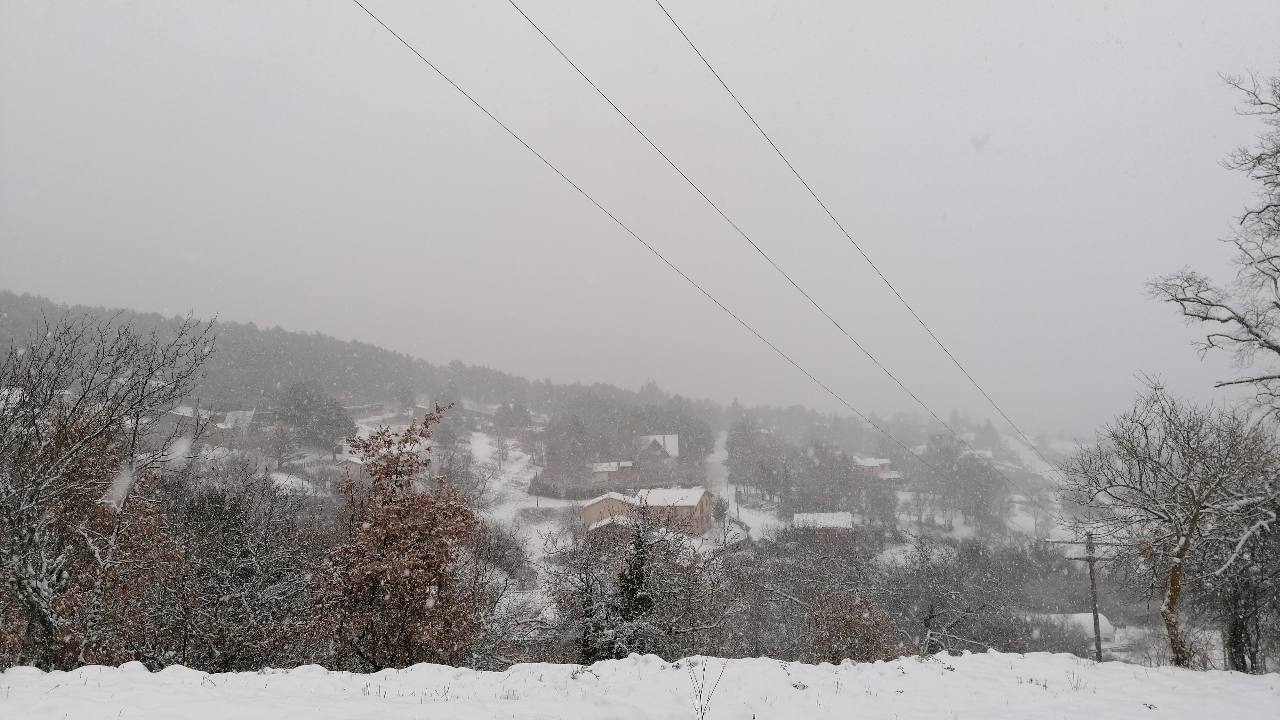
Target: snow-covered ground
[989,686]
[365,426]
[759,521]
[510,500]
[295,484]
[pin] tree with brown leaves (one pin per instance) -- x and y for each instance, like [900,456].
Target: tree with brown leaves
[396,590]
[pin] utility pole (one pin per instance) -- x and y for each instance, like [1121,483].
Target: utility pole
[1090,557]
[1093,596]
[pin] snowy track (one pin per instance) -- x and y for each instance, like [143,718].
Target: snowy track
[974,686]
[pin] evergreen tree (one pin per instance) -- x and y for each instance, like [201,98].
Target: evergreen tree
[632,602]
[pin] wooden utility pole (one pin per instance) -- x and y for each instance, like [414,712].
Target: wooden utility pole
[1093,596]
[1090,557]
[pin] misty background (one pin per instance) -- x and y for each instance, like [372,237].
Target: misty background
[1017,172]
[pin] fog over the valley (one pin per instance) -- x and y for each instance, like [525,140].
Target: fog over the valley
[1017,171]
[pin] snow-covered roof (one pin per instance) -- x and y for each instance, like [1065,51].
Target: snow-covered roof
[823,520]
[871,462]
[238,419]
[890,475]
[670,443]
[656,497]
[611,496]
[670,497]
[608,467]
[293,483]
[190,412]
[621,520]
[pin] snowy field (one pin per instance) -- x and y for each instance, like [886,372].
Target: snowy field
[989,686]
[509,496]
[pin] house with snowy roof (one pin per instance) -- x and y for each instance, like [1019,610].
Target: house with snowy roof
[612,474]
[182,420]
[880,469]
[828,525]
[685,509]
[606,506]
[669,445]
[823,521]
[652,465]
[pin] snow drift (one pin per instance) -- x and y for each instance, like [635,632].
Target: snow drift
[990,685]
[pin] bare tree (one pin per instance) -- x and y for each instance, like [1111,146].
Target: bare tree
[240,595]
[80,422]
[494,569]
[1243,316]
[1176,482]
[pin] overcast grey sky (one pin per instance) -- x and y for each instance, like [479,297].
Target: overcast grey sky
[1017,169]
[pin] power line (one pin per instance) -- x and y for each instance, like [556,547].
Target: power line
[849,237]
[724,216]
[727,219]
[656,253]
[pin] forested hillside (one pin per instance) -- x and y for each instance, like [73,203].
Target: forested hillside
[252,363]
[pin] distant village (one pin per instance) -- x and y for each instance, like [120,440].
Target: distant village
[649,481]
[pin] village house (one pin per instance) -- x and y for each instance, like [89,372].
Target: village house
[871,468]
[685,509]
[181,420]
[876,470]
[608,505]
[668,444]
[655,461]
[823,521]
[653,465]
[615,475]
[826,525]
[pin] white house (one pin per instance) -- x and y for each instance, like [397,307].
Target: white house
[823,521]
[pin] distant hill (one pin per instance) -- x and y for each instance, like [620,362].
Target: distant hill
[252,366]
[251,363]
